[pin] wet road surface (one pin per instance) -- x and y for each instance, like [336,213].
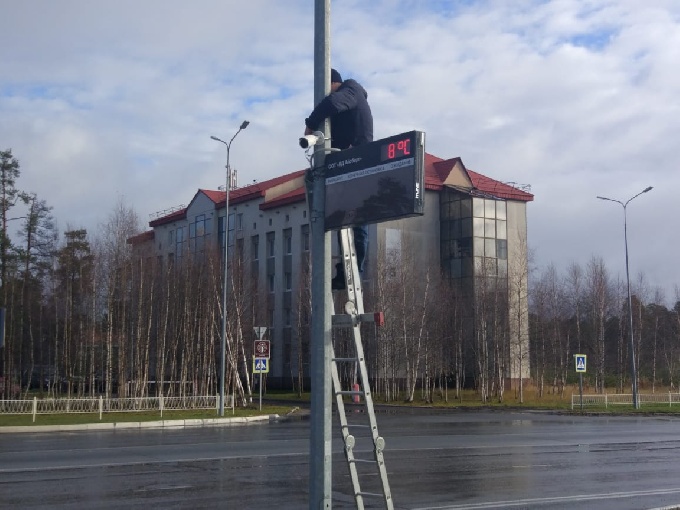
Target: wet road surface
[435,460]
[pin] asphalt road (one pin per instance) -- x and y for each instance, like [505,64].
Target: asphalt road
[435,460]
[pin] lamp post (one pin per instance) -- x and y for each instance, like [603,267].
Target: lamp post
[633,372]
[244,125]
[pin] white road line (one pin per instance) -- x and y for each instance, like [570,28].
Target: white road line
[146,462]
[559,499]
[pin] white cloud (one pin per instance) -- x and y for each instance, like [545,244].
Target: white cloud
[576,97]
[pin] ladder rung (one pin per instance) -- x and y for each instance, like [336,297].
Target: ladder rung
[343,319]
[371,494]
[349,392]
[364,460]
[345,359]
[357,426]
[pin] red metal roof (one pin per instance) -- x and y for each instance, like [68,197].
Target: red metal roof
[177,215]
[141,238]
[292,197]
[437,171]
[215,196]
[258,190]
[498,189]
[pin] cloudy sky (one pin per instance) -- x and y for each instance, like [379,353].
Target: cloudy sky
[103,101]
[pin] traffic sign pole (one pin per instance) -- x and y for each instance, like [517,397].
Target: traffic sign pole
[580,366]
[260,365]
[260,390]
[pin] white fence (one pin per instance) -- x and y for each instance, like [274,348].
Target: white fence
[625,399]
[103,405]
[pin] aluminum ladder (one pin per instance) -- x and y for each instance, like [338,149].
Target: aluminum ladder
[352,318]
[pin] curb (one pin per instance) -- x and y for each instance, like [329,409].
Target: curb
[133,425]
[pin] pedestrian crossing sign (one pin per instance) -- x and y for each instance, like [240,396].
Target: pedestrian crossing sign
[260,365]
[580,362]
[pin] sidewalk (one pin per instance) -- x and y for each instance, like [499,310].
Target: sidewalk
[175,424]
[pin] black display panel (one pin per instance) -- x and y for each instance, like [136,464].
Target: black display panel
[380,181]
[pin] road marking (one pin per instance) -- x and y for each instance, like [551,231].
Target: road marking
[559,499]
[164,488]
[147,462]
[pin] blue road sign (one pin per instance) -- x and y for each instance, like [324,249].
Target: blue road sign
[260,365]
[580,362]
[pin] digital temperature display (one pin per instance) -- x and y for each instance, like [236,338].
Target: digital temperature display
[396,149]
[379,181]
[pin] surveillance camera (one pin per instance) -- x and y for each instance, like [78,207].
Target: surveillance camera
[316,138]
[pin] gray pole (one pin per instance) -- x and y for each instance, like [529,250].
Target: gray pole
[633,371]
[225,282]
[320,434]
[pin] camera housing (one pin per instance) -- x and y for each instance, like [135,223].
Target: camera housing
[316,138]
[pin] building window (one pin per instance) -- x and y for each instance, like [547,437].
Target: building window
[255,247]
[199,233]
[501,212]
[271,244]
[304,235]
[489,208]
[220,230]
[490,248]
[478,227]
[270,282]
[466,208]
[288,241]
[489,228]
[239,250]
[502,249]
[230,235]
[478,207]
[501,229]
[473,235]
[180,242]
[287,281]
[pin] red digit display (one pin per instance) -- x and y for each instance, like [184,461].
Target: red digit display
[394,150]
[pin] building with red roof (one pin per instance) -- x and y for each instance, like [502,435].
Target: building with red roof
[473,226]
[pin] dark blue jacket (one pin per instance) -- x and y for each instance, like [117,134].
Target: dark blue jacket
[351,118]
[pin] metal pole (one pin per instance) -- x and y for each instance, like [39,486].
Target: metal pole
[633,370]
[580,388]
[320,455]
[636,403]
[260,390]
[225,282]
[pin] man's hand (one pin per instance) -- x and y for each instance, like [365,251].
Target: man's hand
[308,131]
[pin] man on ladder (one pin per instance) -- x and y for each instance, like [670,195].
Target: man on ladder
[351,125]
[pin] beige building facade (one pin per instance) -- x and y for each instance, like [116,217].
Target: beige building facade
[472,226]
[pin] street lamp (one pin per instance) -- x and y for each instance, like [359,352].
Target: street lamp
[636,402]
[244,125]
